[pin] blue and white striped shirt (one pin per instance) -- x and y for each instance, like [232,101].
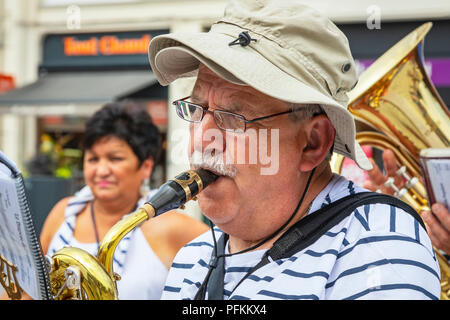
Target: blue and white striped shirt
[377,252]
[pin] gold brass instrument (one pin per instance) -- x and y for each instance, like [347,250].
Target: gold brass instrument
[397,100]
[76,274]
[8,279]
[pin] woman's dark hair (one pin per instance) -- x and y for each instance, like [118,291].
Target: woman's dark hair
[129,122]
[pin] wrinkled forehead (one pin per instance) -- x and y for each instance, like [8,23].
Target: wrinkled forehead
[206,76]
[209,85]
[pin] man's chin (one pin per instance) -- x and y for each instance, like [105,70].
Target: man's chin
[214,210]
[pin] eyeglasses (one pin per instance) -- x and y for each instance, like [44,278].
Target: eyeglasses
[225,120]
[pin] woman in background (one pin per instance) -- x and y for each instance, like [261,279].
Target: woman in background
[120,147]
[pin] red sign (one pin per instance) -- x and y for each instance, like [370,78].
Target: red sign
[106,45]
[6,83]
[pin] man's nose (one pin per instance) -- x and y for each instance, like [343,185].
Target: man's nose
[206,135]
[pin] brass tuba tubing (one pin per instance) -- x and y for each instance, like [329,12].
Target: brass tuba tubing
[417,196]
[400,104]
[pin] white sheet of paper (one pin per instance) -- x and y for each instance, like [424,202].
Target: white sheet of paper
[439,172]
[13,238]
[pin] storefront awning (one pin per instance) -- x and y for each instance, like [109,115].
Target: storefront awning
[93,87]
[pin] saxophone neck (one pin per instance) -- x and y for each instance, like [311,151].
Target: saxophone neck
[109,243]
[171,195]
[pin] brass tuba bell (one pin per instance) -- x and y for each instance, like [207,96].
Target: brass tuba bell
[396,99]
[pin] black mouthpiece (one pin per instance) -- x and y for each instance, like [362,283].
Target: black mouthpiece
[174,193]
[207,177]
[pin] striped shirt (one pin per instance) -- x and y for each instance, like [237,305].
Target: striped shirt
[377,252]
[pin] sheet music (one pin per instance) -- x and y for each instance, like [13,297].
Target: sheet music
[13,239]
[19,243]
[439,177]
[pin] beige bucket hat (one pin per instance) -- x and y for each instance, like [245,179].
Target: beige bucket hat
[281,48]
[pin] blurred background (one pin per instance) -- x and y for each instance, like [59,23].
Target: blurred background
[61,60]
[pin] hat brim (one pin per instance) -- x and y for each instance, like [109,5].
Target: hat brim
[174,56]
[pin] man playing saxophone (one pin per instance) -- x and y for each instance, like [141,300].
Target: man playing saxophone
[273,75]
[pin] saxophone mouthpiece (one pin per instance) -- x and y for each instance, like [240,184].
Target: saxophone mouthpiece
[207,177]
[176,192]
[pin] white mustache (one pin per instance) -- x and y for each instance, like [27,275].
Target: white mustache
[214,163]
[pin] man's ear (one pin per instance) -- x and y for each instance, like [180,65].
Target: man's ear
[319,134]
